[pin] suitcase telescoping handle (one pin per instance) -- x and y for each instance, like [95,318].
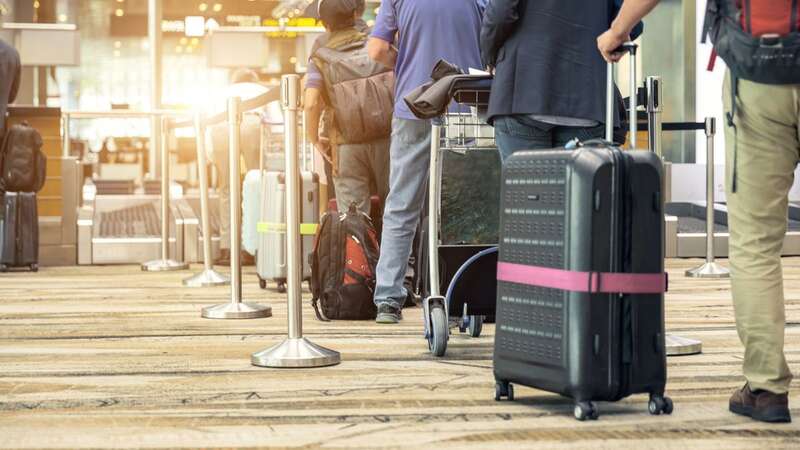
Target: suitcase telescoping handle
[630,48]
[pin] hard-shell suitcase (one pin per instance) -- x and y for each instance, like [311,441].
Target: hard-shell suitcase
[271,254]
[19,231]
[580,302]
[251,210]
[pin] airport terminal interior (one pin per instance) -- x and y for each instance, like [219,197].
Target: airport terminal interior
[170,304]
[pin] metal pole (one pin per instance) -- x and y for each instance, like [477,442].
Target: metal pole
[236,309]
[710,269]
[433,213]
[165,263]
[154,16]
[296,351]
[654,110]
[304,145]
[610,102]
[66,148]
[208,277]
[633,118]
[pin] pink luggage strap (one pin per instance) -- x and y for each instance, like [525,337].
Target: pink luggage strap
[587,282]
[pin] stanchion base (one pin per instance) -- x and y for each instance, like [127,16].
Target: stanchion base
[296,353]
[236,311]
[164,265]
[207,278]
[709,270]
[681,346]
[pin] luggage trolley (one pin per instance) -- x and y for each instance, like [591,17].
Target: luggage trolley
[460,231]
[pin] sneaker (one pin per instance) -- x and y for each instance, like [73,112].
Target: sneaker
[388,314]
[760,405]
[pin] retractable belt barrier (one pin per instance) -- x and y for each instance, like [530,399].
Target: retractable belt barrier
[236,308]
[295,351]
[585,282]
[165,263]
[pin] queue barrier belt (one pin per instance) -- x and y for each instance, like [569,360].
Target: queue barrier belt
[306,229]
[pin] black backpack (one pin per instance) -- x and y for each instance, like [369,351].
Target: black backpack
[343,265]
[359,90]
[750,53]
[23,165]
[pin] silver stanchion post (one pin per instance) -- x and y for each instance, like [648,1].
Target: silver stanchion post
[235,309]
[208,277]
[295,351]
[710,269]
[654,110]
[164,264]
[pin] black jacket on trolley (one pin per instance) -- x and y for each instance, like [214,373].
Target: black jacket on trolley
[545,57]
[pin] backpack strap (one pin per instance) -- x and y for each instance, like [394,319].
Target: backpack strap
[586,282]
[317,312]
[731,119]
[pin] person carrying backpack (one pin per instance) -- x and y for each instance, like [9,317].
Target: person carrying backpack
[760,43]
[358,93]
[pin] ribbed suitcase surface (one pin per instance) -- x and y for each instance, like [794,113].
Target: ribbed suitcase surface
[19,230]
[271,254]
[589,210]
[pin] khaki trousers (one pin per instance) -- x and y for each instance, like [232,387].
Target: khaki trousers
[767,152]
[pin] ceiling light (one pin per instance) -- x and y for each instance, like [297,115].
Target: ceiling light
[203,7]
[217,7]
[119,12]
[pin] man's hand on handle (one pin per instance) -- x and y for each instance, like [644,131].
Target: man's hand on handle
[630,14]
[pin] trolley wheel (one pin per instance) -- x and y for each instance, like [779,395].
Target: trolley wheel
[3,268]
[475,325]
[262,283]
[34,267]
[503,389]
[281,287]
[437,341]
[586,410]
[659,404]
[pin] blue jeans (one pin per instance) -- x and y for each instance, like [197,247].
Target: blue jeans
[409,161]
[513,133]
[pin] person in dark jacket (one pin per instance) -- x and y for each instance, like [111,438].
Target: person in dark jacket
[10,69]
[550,80]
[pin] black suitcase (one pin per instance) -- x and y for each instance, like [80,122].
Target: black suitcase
[581,282]
[19,231]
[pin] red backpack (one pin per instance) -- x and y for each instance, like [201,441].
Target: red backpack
[757,39]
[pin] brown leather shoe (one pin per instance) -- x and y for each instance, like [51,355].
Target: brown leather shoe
[763,406]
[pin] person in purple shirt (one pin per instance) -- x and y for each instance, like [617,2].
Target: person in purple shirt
[411,36]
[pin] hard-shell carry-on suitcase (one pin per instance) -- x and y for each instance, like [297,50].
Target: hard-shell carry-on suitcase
[271,254]
[251,210]
[19,231]
[581,282]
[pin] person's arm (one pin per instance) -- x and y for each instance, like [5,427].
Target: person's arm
[12,95]
[313,106]
[382,52]
[380,42]
[630,14]
[499,20]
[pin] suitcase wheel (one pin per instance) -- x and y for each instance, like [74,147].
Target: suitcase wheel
[586,410]
[281,287]
[503,389]
[34,267]
[476,325]
[437,341]
[659,404]
[3,268]
[262,283]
